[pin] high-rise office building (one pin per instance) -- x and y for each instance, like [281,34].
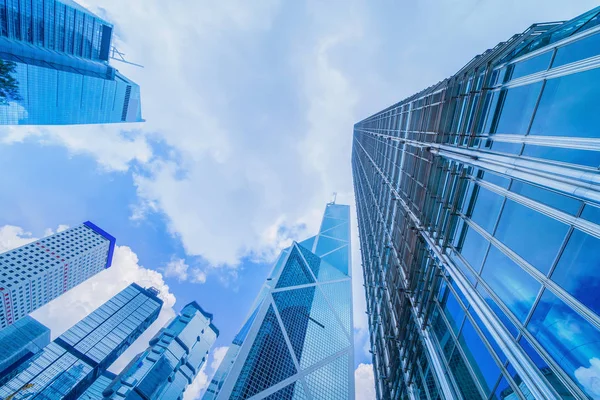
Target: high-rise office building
[172,361]
[94,392]
[54,67]
[18,343]
[297,342]
[34,274]
[479,224]
[71,363]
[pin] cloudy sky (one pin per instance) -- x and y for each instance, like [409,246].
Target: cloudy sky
[249,108]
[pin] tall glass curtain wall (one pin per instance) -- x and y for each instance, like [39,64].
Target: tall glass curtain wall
[479,217]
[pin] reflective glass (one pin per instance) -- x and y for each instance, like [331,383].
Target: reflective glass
[510,282]
[548,197]
[462,376]
[496,179]
[474,248]
[488,335]
[578,270]
[505,147]
[454,312]
[338,258]
[339,232]
[569,339]
[331,380]
[478,356]
[504,391]
[516,109]
[326,245]
[568,106]
[531,65]
[461,265]
[532,235]
[587,158]
[442,333]
[295,391]
[294,272]
[340,298]
[578,50]
[591,213]
[486,209]
[499,313]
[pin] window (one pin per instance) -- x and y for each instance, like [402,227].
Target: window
[531,65]
[516,108]
[579,50]
[479,357]
[486,209]
[532,235]
[550,198]
[473,248]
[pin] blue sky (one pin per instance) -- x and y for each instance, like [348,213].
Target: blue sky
[249,109]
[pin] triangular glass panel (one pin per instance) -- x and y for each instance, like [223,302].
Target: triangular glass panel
[337,211]
[310,324]
[308,243]
[339,295]
[340,232]
[312,260]
[268,362]
[294,272]
[331,380]
[329,223]
[325,245]
[328,272]
[339,259]
[279,264]
[294,391]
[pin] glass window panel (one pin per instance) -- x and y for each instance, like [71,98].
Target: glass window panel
[516,108]
[488,336]
[583,48]
[572,156]
[515,287]
[479,357]
[461,265]
[474,248]
[504,391]
[572,341]
[591,213]
[545,369]
[568,106]
[442,333]
[531,65]
[532,235]
[499,313]
[453,310]
[496,179]
[462,376]
[504,147]
[490,114]
[550,198]
[486,209]
[578,270]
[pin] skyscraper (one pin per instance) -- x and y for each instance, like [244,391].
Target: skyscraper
[172,361]
[72,362]
[297,342]
[54,67]
[94,392]
[479,224]
[19,342]
[34,274]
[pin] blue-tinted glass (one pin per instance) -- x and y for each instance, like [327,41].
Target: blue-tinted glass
[511,283]
[505,147]
[461,265]
[569,339]
[532,235]
[474,248]
[479,357]
[499,313]
[591,213]
[504,391]
[517,108]
[330,381]
[532,65]
[486,209]
[578,50]
[442,333]
[553,199]
[568,106]
[490,113]
[545,369]
[454,312]
[488,336]
[572,156]
[294,272]
[462,376]
[578,270]
[496,179]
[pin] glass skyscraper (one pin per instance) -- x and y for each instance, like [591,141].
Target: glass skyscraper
[297,342]
[19,342]
[172,361]
[478,207]
[54,67]
[94,392]
[71,363]
[34,274]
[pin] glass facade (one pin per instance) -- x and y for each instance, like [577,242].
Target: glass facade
[69,365]
[174,358]
[478,216]
[34,274]
[297,342]
[94,392]
[54,67]
[18,343]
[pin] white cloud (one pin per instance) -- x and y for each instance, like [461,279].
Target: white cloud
[89,295]
[198,385]
[218,355]
[590,378]
[179,269]
[364,382]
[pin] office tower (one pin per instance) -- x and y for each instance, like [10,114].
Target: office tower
[54,67]
[71,363]
[297,342]
[18,343]
[479,224]
[34,274]
[94,392]
[172,361]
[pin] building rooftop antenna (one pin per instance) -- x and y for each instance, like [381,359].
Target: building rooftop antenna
[116,55]
[334,197]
